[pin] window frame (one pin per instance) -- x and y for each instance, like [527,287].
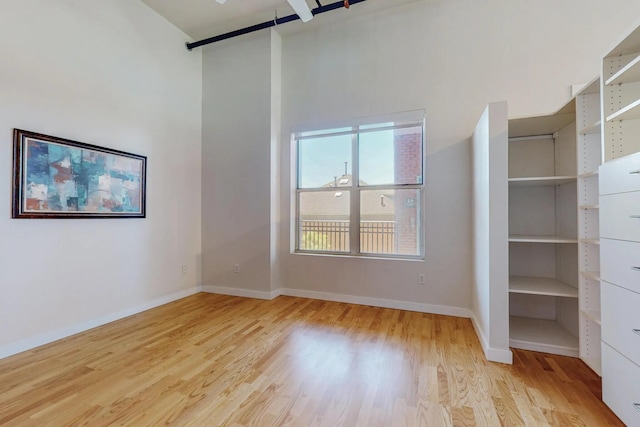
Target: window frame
[415,119]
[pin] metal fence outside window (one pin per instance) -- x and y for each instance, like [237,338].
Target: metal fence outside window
[376,237]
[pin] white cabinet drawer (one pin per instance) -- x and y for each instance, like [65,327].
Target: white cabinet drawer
[620,175]
[620,216]
[621,386]
[620,263]
[621,320]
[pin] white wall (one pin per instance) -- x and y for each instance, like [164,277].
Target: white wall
[452,58]
[490,286]
[113,74]
[276,165]
[239,110]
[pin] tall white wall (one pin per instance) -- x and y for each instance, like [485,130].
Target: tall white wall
[451,58]
[114,74]
[490,286]
[241,103]
[276,164]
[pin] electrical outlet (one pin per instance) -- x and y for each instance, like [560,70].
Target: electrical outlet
[236,268]
[184,269]
[421,279]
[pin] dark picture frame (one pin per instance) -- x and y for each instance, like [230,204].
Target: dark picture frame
[61,178]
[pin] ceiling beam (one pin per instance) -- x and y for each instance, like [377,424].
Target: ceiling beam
[268,24]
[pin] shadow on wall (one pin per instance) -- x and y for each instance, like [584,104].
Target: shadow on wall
[448,222]
[249,249]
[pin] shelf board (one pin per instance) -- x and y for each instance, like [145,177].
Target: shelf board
[541,286]
[629,112]
[592,315]
[592,129]
[588,174]
[541,335]
[592,87]
[590,207]
[537,181]
[543,125]
[592,241]
[521,238]
[594,275]
[628,74]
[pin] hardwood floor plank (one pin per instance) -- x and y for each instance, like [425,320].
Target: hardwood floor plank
[463,417]
[218,360]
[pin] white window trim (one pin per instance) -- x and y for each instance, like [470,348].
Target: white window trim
[411,118]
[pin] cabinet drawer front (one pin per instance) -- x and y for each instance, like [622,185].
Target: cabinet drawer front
[620,216]
[620,263]
[621,385]
[620,175]
[621,320]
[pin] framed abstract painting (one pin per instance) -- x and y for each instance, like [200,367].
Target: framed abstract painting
[59,178]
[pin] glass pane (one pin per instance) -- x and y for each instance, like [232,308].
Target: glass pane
[390,222]
[324,221]
[324,162]
[325,131]
[377,125]
[391,156]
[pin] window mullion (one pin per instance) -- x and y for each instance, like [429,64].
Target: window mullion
[355,196]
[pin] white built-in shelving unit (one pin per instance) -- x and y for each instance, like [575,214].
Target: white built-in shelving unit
[543,233]
[589,158]
[619,227]
[574,228]
[621,99]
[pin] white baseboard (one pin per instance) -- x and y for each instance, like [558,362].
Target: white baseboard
[42,339]
[492,354]
[351,299]
[544,348]
[237,292]
[379,302]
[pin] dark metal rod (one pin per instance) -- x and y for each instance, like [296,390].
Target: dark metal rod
[267,24]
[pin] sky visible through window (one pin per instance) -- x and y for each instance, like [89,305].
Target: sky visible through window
[323,159]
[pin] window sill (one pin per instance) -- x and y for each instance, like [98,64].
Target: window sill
[362,257]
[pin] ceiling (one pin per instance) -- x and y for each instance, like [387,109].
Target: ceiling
[205,18]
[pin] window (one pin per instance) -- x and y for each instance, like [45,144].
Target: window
[360,189]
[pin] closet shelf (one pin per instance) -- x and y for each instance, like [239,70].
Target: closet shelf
[537,181]
[588,174]
[629,112]
[521,238]
[628,74]
[589,206]
[592,129]
[541,286]
[594,241]
[594,275]
[592,315]
[541,335]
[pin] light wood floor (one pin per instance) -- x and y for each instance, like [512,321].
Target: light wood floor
[211,360]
